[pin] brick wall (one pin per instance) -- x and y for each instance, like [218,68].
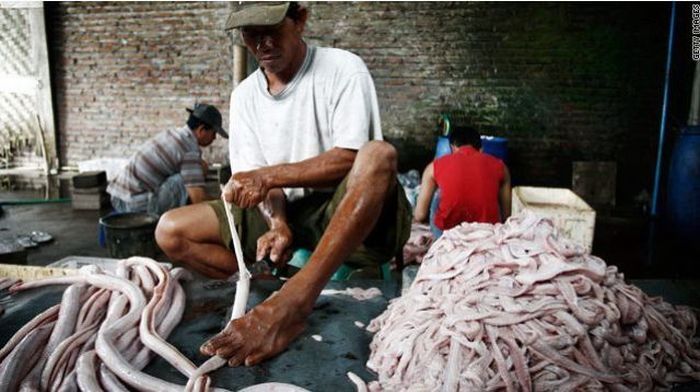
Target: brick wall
[562,82]
[125,71]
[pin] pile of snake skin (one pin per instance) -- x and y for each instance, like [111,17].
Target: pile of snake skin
[515,307]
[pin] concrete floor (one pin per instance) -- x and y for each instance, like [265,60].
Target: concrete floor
[74,232]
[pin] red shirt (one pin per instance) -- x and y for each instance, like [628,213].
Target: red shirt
[469,182]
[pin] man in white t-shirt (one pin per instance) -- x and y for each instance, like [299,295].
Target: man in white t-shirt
[310,170]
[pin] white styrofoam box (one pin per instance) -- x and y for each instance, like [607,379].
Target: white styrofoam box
[112,166]
[572,216]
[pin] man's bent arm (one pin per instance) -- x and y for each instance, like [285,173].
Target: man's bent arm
[278,240]
[274,208]
[427,188]
[504,194]
[324,170]
[249,188]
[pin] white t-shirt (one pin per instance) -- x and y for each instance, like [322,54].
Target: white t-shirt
[330,102]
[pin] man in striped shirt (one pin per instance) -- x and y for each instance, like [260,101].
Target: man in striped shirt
[168,169]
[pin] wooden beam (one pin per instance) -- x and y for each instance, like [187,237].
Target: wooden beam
[240,63]
[28,273]
[40,55]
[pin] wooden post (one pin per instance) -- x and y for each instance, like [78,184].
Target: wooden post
[40,55]
[240,62]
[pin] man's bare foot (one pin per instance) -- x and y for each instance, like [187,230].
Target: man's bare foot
[262,333]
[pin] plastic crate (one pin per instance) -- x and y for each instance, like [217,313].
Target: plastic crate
[572,216]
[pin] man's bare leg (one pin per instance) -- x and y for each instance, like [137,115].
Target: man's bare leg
[190,235]
[271,326]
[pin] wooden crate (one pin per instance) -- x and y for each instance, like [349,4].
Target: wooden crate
[572,216]
[28,273]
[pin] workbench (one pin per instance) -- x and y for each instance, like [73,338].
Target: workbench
[314,365]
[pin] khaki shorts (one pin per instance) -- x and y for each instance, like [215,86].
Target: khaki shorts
[308,219]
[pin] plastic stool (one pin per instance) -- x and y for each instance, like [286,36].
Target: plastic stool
[301,256]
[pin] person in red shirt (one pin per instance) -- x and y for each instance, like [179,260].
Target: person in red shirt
[474,186]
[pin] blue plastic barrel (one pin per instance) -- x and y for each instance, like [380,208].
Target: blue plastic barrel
[683,202]
[442,147]
[493,145]
[496,146]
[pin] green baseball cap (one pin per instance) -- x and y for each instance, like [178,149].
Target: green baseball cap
[256,13]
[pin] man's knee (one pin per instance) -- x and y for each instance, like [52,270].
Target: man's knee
[168,234]
[379,155]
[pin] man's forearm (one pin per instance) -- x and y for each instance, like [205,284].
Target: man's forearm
[274,208]
[422,210]
[427,189]
[325,170]
[504,195]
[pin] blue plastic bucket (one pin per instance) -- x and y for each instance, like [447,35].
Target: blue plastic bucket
[683,201]
[496,146]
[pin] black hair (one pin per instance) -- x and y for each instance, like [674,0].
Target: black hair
[462,135]
[293,11]
[193,122]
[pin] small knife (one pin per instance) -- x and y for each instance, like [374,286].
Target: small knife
[259,268]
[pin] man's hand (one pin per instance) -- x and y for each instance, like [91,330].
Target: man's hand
[277,244]
[246,189]
[263,332]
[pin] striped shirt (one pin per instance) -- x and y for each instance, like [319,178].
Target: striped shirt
[168,153]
